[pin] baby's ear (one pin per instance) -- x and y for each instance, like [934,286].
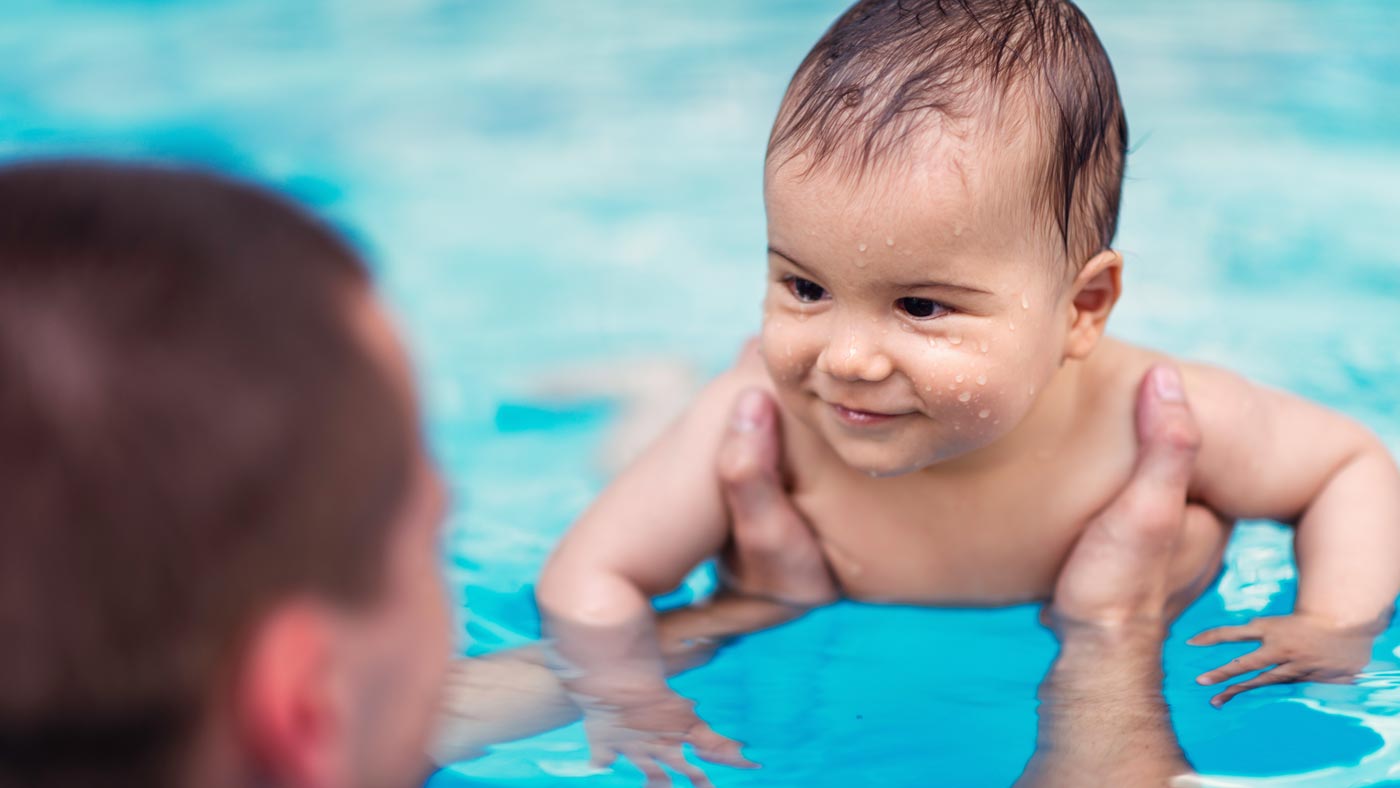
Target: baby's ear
[1092,296]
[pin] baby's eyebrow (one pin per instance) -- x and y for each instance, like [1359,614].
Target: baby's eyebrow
[927,284]
[942,286]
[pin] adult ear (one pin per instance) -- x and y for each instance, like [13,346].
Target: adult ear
[1092,295]
[291,712]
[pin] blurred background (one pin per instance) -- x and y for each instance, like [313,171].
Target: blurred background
[548,186]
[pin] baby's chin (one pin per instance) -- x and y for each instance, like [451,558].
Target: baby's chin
[883,461]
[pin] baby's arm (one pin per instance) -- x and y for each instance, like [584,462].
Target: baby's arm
[1270,455]
[657,521]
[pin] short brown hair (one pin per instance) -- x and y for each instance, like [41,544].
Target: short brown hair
[886,66]
[190,430]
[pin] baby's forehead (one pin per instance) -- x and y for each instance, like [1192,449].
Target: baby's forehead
[975,174]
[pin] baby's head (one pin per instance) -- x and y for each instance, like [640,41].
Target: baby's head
[942,188]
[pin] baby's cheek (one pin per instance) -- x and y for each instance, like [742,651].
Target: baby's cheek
[970,389]
[786,348]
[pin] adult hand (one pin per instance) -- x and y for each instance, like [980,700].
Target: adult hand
[773,553]
[1103,720]
[1148,554]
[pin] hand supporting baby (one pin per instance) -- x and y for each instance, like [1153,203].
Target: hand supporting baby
[773,571]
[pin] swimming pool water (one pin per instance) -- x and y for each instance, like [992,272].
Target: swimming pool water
[542,183]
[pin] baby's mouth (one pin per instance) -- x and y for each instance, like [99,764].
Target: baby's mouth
[857,417]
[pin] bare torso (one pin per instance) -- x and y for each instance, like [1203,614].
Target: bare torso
[989,536]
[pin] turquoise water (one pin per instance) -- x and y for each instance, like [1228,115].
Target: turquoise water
[545,183]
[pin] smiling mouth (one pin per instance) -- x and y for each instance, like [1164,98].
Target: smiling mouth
[863,418]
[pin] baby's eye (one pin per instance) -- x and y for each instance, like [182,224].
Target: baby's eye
[921,308]
[806,290]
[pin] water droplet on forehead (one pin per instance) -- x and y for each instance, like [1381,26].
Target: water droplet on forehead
[965,396]
[889,242]
[928,388]
[984,414]
[981,380]
[859,262]
[862,247]
[957,229]
[1025,302]
[959,377]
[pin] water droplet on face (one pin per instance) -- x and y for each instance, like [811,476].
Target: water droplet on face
[1025,302]
[862,247]
[860,263]
[965,396]
[788,351]
[1011,326]
[981,380]
[928,388]
[952,386]
[933,341]
[889,242]
[960,378]
[984,414]
[957,229]
[802,317]
[955,340]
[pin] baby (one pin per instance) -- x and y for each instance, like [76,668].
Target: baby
[942,187]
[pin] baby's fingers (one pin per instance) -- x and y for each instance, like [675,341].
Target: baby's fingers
[1257,659]
[675,759]
[1279,675]
[641,756]
[1251,631]
[718,749]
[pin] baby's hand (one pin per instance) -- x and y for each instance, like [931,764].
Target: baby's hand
[1300,647]
[648,726]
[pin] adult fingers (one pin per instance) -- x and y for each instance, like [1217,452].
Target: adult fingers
[1234,634]
[1257,659]
[747,466]
[1146,517]
[1279,675]
[1168,436]
[1118,569]
[1200,550]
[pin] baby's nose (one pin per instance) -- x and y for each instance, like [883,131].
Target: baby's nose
[852,357]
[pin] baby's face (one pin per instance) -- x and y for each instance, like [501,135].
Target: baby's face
[912,317]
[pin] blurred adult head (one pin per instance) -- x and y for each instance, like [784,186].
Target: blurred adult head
[218,523]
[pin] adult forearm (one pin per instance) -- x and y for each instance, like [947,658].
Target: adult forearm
[1103,720]
[690,636]
[1348,543]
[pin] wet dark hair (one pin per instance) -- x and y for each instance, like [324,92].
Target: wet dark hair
[191,430]
[888,68]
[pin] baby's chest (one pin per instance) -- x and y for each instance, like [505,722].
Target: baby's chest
[900,543]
